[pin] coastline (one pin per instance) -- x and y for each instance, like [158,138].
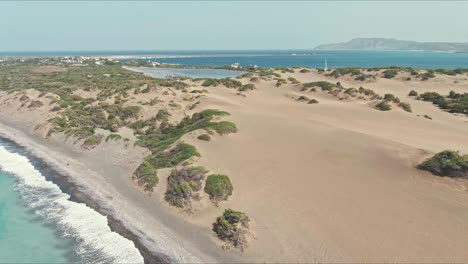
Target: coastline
[77,195]
[156,242]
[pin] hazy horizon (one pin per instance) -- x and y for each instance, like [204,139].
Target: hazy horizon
[42,26]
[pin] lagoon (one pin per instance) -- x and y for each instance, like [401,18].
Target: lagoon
[187,72]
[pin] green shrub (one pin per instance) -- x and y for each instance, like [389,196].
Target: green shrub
[305,70]
[218,187]
[204,137]
[367,92]
[383,106]
[428,117]
[350,91]
[413,93]
[232,227]
[224,127]
[389,97]
[447,163]
[313,101]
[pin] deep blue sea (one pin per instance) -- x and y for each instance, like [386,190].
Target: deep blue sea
[284,58]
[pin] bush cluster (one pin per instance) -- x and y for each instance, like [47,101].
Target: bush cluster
[454,102]
[160,139]
[232,227]
[447,163]
[383,106]
[345,71]
[182,186]
[218,187]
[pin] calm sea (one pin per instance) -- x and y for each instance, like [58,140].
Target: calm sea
[285,58]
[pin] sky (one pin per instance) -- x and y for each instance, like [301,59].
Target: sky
[221,25]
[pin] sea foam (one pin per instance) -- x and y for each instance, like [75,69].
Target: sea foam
[95,241]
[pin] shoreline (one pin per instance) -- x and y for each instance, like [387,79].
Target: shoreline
[69,187]
[156,242]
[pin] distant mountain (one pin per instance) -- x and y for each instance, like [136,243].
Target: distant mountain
[394,44]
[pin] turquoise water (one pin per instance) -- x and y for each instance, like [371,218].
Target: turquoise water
[41,224]
[23,236]
[187,72]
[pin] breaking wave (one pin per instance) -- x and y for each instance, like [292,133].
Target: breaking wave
[94,240]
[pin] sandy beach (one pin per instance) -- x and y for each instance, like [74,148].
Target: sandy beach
[131,214]
[329,182]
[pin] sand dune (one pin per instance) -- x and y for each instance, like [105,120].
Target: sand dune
[329,182]
[336,182]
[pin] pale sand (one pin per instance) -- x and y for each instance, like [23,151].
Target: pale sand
[332,182]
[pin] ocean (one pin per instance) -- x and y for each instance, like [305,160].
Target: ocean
[39,223]
[281,58]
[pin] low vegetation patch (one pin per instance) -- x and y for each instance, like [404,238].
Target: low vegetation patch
[406,107]
[293,80]
[447,163]
[113,137]
[413,93]
[454,102]
[218,187]
[344,71]
[305,99]
[367,92]
[390,73]
[324,85]
[35,104]
[92,141]
[233,228]
[246,87]
[280,81]
[204,137]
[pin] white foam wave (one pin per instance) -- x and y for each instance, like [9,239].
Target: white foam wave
[96,243]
